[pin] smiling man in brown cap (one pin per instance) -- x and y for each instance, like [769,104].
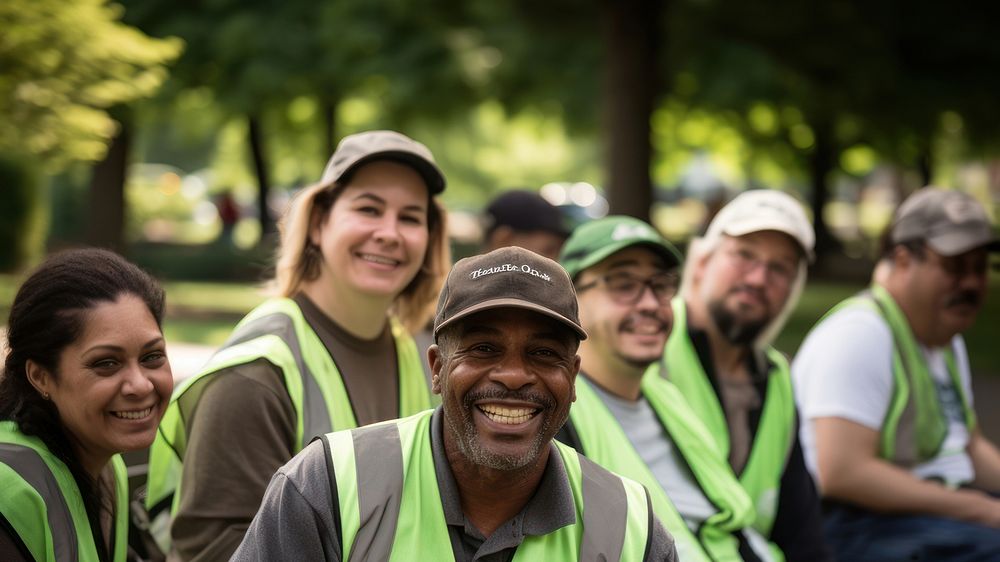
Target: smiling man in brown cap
[479,478]
[884,389]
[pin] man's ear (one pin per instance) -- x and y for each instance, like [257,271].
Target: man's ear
[436,361]
[39,377]
[576,373]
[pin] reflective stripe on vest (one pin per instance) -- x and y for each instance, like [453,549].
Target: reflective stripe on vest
[604,441]
[761,476]
[277,331]
[915,426]
[390,504]
[42,503]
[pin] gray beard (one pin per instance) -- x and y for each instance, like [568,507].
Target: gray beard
[735,331]
[467,440]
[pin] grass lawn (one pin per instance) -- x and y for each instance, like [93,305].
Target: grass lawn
[205,313]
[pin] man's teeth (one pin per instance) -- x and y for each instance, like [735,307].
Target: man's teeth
[510,416]
[379,259]
[133,414]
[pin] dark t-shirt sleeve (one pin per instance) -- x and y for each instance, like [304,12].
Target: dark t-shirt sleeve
[11,547]
[798,525]
[661,546]
[241,432]
[296,519]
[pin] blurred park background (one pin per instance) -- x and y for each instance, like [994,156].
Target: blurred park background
[176,131]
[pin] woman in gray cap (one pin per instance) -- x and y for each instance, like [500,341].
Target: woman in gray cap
[363,255]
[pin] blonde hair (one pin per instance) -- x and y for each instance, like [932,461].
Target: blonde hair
[299,259]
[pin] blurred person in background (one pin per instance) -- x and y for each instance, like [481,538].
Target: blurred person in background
[363,255]
[742,280]
[635,423]
[479,478]
[86,378]
[885,392]
[524,218]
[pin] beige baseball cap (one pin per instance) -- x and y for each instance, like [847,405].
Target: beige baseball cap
[765,209]
[361,148]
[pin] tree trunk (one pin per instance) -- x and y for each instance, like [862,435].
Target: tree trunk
[925,165]
[630,39]
[256,140]
[821,163]
[330,124]
[106,205]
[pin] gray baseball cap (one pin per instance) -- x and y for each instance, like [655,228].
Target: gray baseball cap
[509,277]
[361,148]
[949,221]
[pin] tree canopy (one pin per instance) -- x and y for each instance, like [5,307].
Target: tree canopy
[64,63]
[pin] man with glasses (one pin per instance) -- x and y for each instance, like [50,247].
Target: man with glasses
[625,275]
[884,388]
[743,278]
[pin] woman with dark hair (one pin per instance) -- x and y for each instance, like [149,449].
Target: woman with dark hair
[86,377]
[363,256]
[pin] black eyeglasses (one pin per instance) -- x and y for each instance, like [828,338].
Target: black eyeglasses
[627,289]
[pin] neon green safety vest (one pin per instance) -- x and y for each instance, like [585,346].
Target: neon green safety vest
[761,477]
[277,331]
[42,503]
[395,513]
[604,441]
[915,426]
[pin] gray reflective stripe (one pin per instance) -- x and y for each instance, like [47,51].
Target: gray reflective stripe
[315,417]
[605,513]
[29,464]
[905,450]
[378,460]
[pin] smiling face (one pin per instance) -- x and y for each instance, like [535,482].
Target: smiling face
[745,282]
[505,377]
[112,384]
[628,333]
[374,237]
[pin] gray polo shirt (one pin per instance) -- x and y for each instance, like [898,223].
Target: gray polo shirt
[298,520]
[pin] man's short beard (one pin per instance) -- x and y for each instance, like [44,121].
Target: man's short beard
[463,427]
[735,331]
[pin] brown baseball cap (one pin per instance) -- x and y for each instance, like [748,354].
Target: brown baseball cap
[949,221]
[509,277]
[361,148]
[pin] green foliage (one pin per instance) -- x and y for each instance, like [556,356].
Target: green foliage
[64,62]
[21,224]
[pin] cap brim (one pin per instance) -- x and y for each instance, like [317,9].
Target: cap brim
[670,257]
[955,243]
[512,303]
[749,227]
[429,171]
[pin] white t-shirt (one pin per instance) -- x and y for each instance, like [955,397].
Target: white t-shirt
[844,370]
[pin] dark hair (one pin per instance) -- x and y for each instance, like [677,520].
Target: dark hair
[47,315]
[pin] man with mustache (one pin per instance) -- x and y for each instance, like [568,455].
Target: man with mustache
[884,388]
[743,278]
[640,426]
[479,478]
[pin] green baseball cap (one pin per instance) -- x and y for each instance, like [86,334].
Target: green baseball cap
[593,241]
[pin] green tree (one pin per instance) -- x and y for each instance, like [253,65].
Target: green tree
[64,63]
[257,57]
